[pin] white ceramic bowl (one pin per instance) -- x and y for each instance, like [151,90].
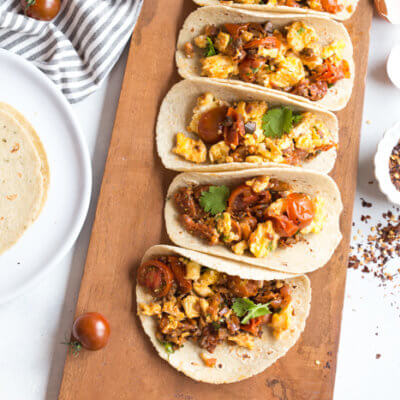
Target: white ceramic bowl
[384,150]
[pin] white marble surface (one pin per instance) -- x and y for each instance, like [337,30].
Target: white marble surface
[33,325]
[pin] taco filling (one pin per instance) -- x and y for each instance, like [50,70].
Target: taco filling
[248,131]
[289,59]
[207,307]
[330,6]
[255,217]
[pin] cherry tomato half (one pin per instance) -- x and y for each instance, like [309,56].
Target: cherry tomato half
[331,6]
[249,67]
[43,10]
[91,330]
[254,324]
[235,29]
[284,227]
[179,269]
[241,198]
[269,42]
[300,209]
[155,276]
[210,127]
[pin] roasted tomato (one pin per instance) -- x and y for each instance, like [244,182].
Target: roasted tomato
[331,6]
[235,129]
[155,276]
[300,209]
[254,324]
[249,67]
[329,73]
[91,330]
[179,270]
[241,198]
[269,42]
[284,227]
[282,299]
[43,10]
[235,29]
[210,127]
[243,287]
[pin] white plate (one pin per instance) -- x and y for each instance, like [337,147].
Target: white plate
[47,241]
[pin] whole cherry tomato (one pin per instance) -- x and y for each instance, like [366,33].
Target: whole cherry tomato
[91,330]
[249,67]
[43,10]
[210,127]
[155,276]
[300,209]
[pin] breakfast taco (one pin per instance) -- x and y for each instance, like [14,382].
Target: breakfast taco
[204,125]
[337,9]
[302,57]
[212,324]
[283,219]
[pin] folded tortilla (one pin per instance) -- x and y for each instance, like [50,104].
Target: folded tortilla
[25,176]
[177,109]
[233,363]
[305,256]
[348,9]
[327,29]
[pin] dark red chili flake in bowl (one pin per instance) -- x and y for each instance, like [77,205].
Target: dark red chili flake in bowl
[394,166]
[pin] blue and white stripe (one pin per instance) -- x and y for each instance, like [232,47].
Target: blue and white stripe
[78,48]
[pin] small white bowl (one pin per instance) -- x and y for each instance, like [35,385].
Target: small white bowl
[393,65]
[382,156]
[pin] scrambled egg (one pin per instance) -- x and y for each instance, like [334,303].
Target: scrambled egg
[263,240]
[258,184]
[243,339]
[190,149]
[207,278]
[334,50]
[281,321]
[205,102]
[315,5]
[311,133]
[219,152]
[240,247]
[222,41]
[191,305]
[192,270]
[300,35]
[171,326]
[276,208]
[150,309]
[290,71]
[218,66]
[319,217]
[201,41]
[224,226]
[172,308]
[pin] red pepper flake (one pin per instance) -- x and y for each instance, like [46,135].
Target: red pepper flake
[378,356]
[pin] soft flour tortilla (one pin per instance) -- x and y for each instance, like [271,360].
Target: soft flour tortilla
[177,109]
[236,363]
[305,256]
[327,30]
[25,176]
[348,10]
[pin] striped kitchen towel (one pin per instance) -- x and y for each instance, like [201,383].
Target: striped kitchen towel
[78,48]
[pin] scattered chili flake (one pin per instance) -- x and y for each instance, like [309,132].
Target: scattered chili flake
[365,203]
[378,356]
[394,166]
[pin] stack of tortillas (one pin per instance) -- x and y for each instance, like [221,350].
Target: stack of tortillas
[24,176]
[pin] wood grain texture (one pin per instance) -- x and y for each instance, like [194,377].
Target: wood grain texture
[129,219]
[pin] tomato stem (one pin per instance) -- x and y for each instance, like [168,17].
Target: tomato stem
[29,3]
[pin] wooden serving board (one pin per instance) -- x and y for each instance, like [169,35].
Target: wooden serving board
[129,220]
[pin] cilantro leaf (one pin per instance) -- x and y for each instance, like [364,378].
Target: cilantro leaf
[214,199]
[300,30]
[242,306]
[210,49]
[278,121]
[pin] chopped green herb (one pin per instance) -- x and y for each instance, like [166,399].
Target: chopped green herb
[214,199]
[300,30]
[278,121]
[210,49]
[245,307]
[168,347]
[255,70]
[330,85]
